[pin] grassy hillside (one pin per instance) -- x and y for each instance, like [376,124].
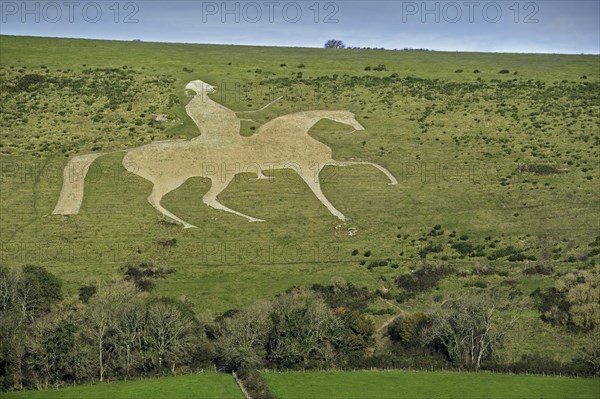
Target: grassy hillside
[208,385]
[426,385]
[498,150]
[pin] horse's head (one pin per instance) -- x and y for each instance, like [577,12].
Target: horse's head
[200,87]
[345,117]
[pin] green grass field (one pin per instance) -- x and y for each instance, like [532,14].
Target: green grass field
[209,386]
[470,151]
[426,385]
[348,385]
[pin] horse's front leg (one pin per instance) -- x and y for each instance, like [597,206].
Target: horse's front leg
[386,172]
[311,178]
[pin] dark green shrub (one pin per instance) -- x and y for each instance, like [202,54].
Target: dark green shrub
[86,292]
[140,274]
[410,330]
[405,296]
[171,242]
[539,169]
[346,295]
[503,252]
[542,269]
[424,278]
[44,287]
[463,248]
[430,248]
[518,257]
[381,312]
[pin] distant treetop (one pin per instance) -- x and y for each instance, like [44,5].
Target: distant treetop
[333,43]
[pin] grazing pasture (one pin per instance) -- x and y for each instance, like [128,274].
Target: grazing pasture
[207,385]
[426,385]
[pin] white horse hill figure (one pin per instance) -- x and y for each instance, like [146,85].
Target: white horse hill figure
[279,143]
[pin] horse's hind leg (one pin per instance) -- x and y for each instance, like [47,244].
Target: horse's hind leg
[160,190]
[308,175]
[210,198]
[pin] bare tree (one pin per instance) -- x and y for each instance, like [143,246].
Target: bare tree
[14,310]
[9,282]
[469,328]
[101,311]
[589,355]
[244,336]
[18,293]
[168,331]
[129,328]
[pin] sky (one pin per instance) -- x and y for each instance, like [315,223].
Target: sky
[546,26]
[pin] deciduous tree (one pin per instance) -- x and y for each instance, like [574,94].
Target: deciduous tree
[469,328]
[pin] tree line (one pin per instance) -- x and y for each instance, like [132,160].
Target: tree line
[335,43]
[116,330]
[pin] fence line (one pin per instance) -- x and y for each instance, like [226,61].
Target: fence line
[239,384]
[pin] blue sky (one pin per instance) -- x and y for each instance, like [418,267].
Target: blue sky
[488,26]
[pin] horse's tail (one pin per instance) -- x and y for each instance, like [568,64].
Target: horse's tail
[71,195]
